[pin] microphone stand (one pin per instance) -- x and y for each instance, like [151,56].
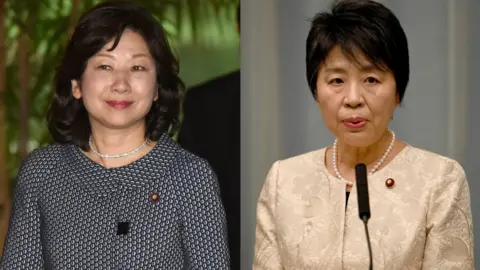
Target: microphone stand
[365,221]
[363,203]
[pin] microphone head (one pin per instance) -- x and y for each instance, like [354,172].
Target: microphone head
[362,191]
[361,171]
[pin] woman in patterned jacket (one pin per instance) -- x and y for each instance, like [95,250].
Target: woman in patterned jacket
[115,191]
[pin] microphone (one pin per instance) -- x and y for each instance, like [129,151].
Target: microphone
[123,228]
[363,201]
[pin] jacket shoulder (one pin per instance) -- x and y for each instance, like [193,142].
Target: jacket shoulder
[431,164]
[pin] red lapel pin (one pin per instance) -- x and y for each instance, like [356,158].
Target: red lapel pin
[390,183]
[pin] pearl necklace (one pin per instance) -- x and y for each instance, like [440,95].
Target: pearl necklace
[118,155]
[379,163]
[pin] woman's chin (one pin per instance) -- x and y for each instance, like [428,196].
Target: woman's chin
[118,124]
[358,140]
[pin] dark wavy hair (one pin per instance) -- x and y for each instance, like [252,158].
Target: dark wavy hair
[67,119]
[359,25]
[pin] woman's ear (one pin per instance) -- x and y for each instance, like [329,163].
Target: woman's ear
[76,91]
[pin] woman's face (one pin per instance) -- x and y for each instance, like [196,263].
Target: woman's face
[356,99]
[118,87]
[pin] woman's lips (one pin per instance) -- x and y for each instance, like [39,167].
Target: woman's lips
[119,104]
[355,123]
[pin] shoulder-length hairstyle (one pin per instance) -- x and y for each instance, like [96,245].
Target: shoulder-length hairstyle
[67,119]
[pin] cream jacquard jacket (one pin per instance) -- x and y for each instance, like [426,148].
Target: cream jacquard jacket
[422,222]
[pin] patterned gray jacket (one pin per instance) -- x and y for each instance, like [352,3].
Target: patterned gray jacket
[162,211]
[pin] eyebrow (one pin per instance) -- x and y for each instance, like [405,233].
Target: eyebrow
[364,68]
[369,68]
[137,55]
[335,70]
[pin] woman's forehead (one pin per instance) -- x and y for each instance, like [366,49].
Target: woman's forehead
[339,59]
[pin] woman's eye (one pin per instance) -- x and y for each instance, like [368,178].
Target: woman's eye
[138,68]
[104,67]
[371,80]
[336,81]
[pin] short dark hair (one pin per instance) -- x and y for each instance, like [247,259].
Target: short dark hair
[359,26]
[68,120]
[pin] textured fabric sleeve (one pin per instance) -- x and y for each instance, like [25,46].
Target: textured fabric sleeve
[267,254]
[23,249]
[449,242]
[204,221]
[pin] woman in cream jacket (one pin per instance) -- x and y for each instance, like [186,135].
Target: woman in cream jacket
[307,214]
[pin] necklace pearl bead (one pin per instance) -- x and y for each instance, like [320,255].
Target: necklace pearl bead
[116,156]
[374,169]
